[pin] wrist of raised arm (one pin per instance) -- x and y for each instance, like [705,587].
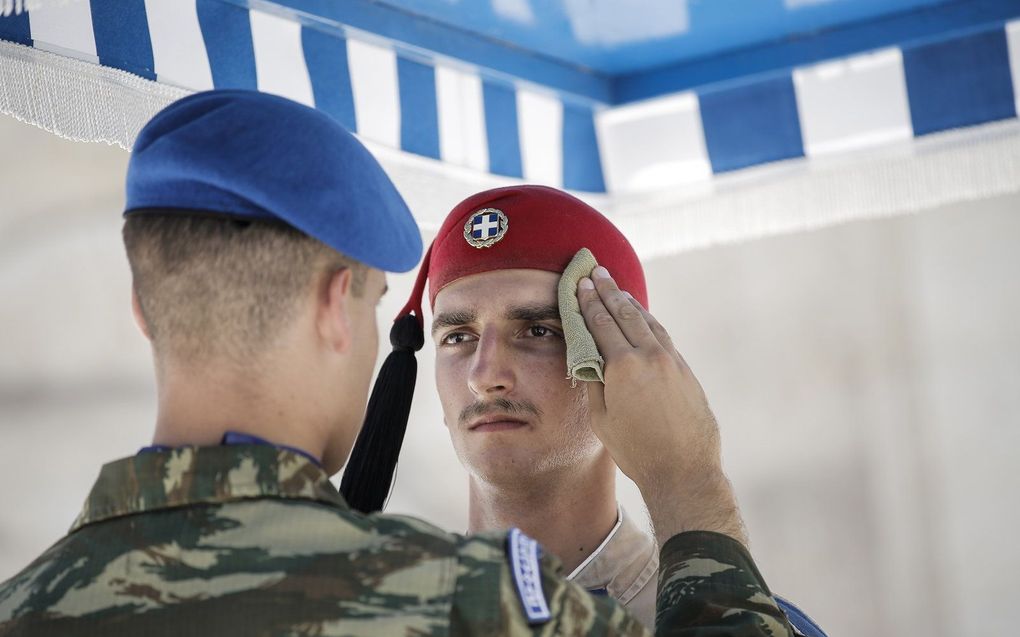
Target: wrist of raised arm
[702,501]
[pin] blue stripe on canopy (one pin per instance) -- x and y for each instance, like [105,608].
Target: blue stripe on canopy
[581,167]
[226,30]
[330,74]
[16,28]
[121,29]
[962,82]
[501,129]
[751,124]
[419,117]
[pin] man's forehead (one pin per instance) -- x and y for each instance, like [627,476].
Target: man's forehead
[499,289]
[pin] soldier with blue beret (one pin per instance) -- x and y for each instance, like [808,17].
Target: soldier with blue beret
[258,232]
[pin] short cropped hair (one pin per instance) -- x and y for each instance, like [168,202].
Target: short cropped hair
[212,287]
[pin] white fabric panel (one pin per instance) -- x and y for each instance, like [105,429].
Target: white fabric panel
[853,103]
[65,28]
[653,144]
[1013,42]
[800,4]
[178,49]
[611,24]
[462,138]
[279,58]
[540,126]
[376,93]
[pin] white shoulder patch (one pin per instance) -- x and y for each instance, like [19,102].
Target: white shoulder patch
[527,575]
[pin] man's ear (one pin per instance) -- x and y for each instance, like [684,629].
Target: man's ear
[334,307]
[136,310]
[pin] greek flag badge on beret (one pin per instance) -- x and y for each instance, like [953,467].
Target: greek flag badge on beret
[527,576]
[486,227]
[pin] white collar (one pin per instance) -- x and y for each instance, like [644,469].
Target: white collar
[601,547]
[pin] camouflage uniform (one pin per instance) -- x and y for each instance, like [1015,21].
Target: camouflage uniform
[254,540]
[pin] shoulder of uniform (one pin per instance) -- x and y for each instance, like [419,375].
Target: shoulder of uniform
[498,549]
[500,589]
[507,585]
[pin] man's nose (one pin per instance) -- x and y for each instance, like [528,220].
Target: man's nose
[492,372]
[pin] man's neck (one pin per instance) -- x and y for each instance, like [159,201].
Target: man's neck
[570,515]
[198,408]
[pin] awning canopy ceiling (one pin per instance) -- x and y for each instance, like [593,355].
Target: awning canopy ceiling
[660,98]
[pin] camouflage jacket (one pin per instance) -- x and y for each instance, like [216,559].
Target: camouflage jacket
[254,540]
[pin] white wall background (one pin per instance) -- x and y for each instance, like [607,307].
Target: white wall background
[866,378]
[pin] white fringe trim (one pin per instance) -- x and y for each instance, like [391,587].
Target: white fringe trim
[75,99]
[924,173]
[795,196]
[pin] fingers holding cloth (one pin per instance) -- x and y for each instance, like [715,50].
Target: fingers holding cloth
[630,363]
[584,362]
[646,405]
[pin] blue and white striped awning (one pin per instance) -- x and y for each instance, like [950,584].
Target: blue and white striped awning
[414,83]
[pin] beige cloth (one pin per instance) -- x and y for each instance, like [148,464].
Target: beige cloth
[583,359]
[627,566]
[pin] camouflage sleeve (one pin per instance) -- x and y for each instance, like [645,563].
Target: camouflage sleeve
[487,603]
[710,587]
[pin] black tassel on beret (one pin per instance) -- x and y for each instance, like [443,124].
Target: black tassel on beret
[368,475]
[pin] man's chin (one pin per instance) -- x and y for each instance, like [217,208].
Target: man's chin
[504,467]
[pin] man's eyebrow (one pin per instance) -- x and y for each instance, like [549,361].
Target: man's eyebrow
[452,319]
[533,313]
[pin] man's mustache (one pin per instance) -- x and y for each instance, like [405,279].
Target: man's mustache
[499,406]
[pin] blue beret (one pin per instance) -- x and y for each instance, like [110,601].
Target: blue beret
[251,155]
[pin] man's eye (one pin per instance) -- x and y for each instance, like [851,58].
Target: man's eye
[455,338]
[540,331]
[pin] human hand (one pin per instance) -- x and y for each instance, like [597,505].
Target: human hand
[653,417]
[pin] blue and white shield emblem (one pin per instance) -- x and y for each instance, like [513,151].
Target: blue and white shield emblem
[485,227]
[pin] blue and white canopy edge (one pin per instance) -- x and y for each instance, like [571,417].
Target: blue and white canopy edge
[889,131]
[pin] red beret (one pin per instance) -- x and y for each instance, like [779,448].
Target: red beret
[526,227]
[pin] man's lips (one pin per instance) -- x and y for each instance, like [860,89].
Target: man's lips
[496,423]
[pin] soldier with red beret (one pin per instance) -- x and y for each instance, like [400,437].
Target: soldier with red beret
[537,444]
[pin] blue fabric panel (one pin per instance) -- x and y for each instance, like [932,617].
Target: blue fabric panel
[751,124]
[226,31]
[122,36]
[799,619]
[419,115]
[501,129]
[16,28]
[959,82]
[326,58]
[581,167]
